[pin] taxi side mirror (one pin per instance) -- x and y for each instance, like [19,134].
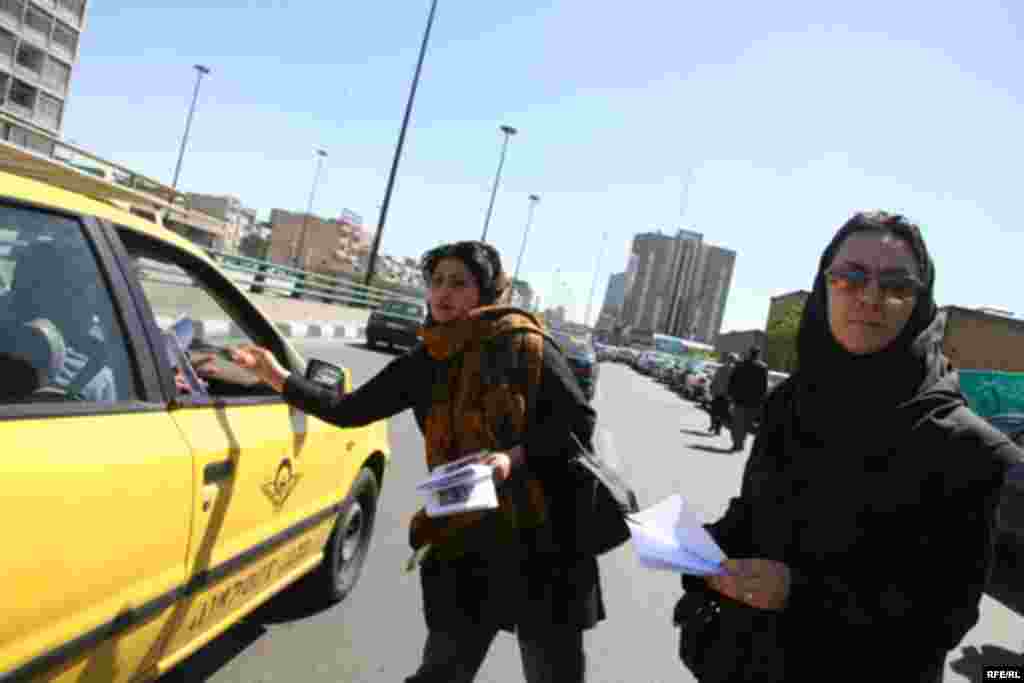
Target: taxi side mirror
[326,375]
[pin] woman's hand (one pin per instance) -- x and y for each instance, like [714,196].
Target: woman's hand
[503,462]
[760,583]
[260,362]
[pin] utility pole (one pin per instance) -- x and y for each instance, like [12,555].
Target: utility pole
[372,263]
[200,72]
[593,285]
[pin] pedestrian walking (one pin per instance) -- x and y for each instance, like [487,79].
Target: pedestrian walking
[720,410]
[485,378]
[862,536]
[748,385]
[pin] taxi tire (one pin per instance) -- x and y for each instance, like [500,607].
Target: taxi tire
[349,543]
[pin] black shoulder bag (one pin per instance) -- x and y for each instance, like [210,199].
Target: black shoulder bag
[603,500]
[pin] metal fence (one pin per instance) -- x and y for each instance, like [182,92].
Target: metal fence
[265,277]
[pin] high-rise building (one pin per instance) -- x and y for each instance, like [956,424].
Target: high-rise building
[38,50]
[615,295]
[676,285]
[687,269]
[648,279]
[708,290]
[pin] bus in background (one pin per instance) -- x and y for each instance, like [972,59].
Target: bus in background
[678,346]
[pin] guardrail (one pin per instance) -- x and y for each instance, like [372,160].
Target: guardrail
[266,277]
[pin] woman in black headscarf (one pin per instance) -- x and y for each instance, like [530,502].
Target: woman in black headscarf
[863,532]
[486,379]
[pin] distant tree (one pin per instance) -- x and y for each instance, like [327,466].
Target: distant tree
[781,338]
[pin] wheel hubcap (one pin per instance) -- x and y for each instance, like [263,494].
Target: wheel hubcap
[351,535]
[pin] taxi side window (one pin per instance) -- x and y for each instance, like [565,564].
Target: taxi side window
[60,339]
[190,310]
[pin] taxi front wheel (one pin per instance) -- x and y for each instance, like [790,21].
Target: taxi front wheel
[349,542]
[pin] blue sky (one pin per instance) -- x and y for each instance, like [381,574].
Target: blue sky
[761,125]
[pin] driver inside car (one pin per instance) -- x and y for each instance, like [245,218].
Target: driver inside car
[47,271]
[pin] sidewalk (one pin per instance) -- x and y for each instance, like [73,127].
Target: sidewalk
[294,318]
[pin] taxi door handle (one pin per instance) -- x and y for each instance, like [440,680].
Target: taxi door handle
[218,471]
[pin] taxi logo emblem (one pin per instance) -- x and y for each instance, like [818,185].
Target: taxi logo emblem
[283,483]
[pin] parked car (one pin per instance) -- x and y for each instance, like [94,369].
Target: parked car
[396,323]
[145,519]
[582,360]
[698,380]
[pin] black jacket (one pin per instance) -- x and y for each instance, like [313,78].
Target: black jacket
[889,544]
[529,585]
[749,382]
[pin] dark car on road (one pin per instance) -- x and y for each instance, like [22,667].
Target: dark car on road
[395,323]
[582,359]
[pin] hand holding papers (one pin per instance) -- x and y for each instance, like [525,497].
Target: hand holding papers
[459,486]
[669,536]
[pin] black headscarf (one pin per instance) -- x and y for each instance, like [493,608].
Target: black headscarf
[480,258]
[837,390]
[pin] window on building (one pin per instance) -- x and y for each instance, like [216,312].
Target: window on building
[4,81]
[32,58]
[74,7]
[23,95]
[65,39]
[38,24]
[56,74]
[11,10]
[49,111]
[7,42]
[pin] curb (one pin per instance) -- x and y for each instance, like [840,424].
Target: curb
[291,329]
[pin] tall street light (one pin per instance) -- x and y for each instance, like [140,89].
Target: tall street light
[593,284]
[526,233]
[509,131]
[200,72]
[297,255]
[398,148]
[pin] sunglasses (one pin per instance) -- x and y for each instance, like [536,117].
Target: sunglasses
[896,288]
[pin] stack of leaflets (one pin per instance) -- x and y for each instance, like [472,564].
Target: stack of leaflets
[669,536]
[460,486]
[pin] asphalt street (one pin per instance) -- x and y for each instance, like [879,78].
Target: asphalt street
[377,634]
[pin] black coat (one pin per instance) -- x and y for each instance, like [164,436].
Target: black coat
[749,382]
[889,542]
[531,584]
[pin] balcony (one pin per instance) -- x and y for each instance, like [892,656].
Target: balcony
[38,25]
[22,100]
[11,12]
[19,110]
[56,75]
[7,42]
[29,63]
[65,42]
[70,11]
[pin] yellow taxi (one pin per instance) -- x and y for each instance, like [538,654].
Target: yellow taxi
[144,517]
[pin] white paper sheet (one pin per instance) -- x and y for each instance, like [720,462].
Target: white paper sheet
[669,536]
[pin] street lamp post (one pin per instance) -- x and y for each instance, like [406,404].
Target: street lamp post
[593,284]
[526,232]
[509,131]
[297,254]
[200,72]
[372,263]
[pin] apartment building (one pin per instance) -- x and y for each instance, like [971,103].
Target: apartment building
[39,41]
